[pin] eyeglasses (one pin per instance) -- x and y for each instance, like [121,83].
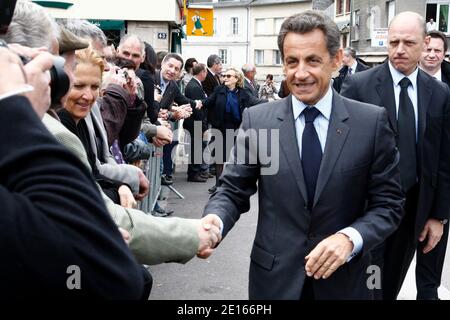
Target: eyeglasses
[229,75]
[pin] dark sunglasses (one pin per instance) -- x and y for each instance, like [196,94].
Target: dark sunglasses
[228,75]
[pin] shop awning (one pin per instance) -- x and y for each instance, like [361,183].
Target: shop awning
[109,24]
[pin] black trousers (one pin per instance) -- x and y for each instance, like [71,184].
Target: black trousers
[395,255]
[429,268]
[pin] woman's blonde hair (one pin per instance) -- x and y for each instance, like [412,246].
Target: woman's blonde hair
[90,56]
[239,77]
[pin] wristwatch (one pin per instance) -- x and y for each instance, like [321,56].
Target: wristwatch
[443,221]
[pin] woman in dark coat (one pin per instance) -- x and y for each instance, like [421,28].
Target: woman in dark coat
[225,107]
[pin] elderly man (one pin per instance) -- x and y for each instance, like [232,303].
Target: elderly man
[250,84]
[418,108]
[350,65]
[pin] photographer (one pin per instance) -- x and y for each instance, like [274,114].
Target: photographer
[268,90]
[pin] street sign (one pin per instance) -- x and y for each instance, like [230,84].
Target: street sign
[379,37]
[162,35]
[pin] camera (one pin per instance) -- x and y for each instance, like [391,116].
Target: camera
[60,82]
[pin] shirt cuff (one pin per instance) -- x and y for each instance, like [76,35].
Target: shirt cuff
[355,238]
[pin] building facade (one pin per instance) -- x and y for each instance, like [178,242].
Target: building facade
[161,28]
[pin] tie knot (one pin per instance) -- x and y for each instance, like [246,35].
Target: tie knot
[404,83]
[310,113]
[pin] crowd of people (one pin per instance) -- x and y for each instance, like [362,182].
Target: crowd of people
[363,172]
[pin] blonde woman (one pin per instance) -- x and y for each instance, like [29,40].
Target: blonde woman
[225,107]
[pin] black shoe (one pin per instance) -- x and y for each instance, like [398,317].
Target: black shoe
[206,175]
[161,212]
[166,181]
[212,189]
[196,178]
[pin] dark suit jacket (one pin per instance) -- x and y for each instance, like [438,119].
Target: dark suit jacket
[359,165]
[433,149]
[148,80]
[445,72]
[216,104]
[53,217]
[194,91]
[171,94]
[343,72]
[210,83]
[253,91]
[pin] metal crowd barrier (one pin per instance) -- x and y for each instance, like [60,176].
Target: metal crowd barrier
[152,170]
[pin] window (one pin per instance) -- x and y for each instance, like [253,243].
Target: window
[356,24]
[339,7]
[439,14]
[259,57]
[276,57]
[390,11]
[215,30]
[260,26]
[223,54]
[278,22]
[348,6]
[234,25]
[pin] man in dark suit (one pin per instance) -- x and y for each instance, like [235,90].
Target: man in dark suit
[331,194]
[418,108]
[350,65]
[249,71]
[212,80]
[429,265]
[196,124]
[169,93]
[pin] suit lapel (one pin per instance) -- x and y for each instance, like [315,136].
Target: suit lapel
[337,134]
[289,145]
[424,93]
[385,89]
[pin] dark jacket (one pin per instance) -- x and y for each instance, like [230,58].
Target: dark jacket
[148,80]
[194,90]
[216,104]
[171,94]
[343,72]
[210,83]
[53,219]
[433,149]
[122,116]
[253,89]
[360,160]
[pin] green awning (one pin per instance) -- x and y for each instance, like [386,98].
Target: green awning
[109,24]
[54,4]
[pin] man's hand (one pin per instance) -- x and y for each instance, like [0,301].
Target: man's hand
[126,197]
[12,75]
[433,230]
[143,186]
[164,133]
[328,255]
[209,233]
[157,96]
[198,104]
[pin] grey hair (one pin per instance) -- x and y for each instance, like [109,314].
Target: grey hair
[350,51]
[31,26]
[212,60]
[308,21]
[135,37]
[248,67]
[85,30]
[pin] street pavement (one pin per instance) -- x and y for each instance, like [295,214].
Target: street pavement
[224,276]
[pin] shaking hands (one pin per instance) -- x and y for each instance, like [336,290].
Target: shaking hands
[209,233]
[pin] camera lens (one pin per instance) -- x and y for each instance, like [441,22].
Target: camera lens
[60,82]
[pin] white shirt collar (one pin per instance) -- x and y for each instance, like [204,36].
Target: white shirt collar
[354,65]
[211,72]
[438,74]
[197,80]
[397,76]
[324,105]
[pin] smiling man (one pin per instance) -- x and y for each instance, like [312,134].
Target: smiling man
[418,108]
[336,194]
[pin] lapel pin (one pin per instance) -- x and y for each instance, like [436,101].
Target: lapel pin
[339,131]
